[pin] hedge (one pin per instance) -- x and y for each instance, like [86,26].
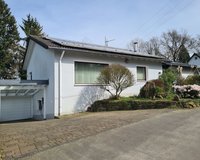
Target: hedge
[117,105]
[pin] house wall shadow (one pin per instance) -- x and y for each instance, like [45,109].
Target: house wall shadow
[88,96]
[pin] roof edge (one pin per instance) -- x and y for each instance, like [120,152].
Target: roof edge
[193,56]
[32,37]
[111,50]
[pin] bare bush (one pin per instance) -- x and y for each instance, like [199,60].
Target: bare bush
[115,78]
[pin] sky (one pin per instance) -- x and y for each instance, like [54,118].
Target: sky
[91,21]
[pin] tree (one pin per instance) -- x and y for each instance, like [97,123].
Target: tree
[31,26]
[169,76]
[172,42]
[140,45]
[148,47]
[183,55]
[115,77]
[197,44]
[153,46]
[9,43]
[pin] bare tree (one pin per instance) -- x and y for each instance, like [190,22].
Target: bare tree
[197,44]
[153,46]
[114,79]
[147,47]
[140,45]
[172,42]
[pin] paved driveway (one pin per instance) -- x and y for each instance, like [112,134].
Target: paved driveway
[25,138]
[170,136]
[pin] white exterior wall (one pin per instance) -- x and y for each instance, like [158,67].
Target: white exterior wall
[15,108]
[195,60]
[42,67]
[187,72]
[38,114]
[76,98]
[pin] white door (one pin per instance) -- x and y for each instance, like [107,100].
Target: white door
[15,108]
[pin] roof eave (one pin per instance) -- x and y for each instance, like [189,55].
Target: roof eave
[193,56]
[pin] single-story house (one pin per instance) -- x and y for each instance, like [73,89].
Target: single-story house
[72,68]
[61,77]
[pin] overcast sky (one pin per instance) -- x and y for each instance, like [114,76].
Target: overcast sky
[122,20]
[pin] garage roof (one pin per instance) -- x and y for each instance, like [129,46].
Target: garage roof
[21,87]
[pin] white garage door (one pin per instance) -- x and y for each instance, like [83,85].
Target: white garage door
[15,108]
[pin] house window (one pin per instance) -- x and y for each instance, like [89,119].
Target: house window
[141,74]
[87,73]
[195,58]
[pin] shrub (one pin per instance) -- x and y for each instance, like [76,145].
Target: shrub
[168,77]
[148,90]
[152,89]
[160,93]
[187,91]
[194,79]
[180,80]
[132,104]
[115,77]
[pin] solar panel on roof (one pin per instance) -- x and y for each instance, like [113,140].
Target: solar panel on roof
[68,43]
[80,45]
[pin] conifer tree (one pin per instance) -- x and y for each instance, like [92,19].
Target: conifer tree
[9,43]
[31,26]
[183,55]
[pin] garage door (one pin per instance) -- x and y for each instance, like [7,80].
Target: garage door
[15,108]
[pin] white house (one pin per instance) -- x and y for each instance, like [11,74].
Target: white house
[187,69]
[195,60]
[71,69]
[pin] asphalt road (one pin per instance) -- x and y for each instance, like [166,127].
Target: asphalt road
[168,136]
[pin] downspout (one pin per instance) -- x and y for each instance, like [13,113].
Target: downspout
[60,83]
[44,104]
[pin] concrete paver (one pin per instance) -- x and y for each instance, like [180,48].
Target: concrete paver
[23,138]
[170,136]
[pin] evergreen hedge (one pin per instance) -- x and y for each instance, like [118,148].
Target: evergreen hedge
[132,104]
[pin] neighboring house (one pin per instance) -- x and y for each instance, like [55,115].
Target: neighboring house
[195,60]
[73,67]
[186,68]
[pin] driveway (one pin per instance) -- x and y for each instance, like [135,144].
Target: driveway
[169,136]
[26,138]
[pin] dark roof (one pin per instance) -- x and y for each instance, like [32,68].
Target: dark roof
[170,63]
[54,43]
[197,54]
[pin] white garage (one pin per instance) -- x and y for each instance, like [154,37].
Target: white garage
[15,108]
[18,99]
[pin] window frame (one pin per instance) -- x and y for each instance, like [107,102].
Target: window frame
[146,73]
[86,62]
